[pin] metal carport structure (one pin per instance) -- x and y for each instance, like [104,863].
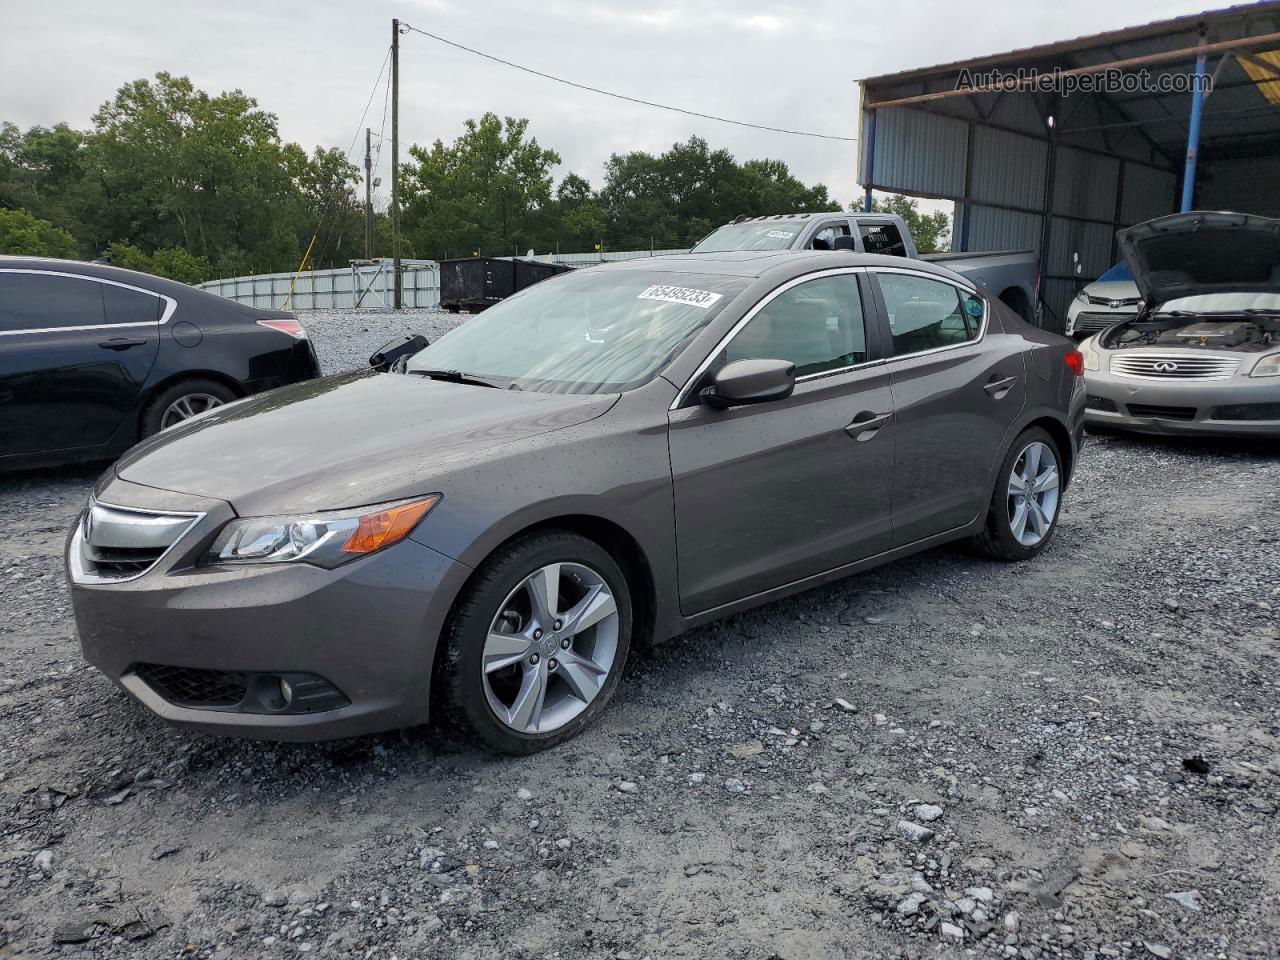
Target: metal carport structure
[1060,169]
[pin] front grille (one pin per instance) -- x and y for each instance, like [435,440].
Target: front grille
[114,543]
[1173,366]
[1093,322]
[1248,411]
[1113,302]
[1151,411]
[190,687]
[1100,403]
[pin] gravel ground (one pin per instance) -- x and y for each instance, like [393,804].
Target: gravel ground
[946,757]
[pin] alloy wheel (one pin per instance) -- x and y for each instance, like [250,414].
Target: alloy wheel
[186,407]
[1033,493]
[550,647]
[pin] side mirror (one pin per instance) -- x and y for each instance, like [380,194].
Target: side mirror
[750,381]
[401,348]
[844,243]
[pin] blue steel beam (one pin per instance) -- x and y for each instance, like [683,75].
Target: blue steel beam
[1193,135]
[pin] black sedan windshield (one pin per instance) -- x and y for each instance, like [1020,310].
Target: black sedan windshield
[593,331]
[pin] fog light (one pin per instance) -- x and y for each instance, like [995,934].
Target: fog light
[286,692]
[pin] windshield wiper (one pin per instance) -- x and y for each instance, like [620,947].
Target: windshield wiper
[453,376]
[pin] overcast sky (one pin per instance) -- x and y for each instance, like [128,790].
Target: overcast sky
[313,64]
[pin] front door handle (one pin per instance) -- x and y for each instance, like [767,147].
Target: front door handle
[867,424]
[999,388]
[121,343]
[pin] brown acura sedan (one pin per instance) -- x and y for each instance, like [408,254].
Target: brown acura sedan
[483,529]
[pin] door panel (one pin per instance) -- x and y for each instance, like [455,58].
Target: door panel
[769,494]
[68,374]
[953,404]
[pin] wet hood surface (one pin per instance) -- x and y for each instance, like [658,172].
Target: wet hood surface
[1191,254]
[345,441]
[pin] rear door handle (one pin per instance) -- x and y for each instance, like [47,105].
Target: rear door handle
[867,424]
[121,343]
[999,389]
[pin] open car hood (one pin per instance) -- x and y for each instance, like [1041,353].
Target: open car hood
[1189,254]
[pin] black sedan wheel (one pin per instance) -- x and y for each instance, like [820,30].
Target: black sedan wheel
[536,646]
[182,401]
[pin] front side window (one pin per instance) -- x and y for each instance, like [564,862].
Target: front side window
[925,314]
[818,325]
[825,238]
[596,330]
[36,301]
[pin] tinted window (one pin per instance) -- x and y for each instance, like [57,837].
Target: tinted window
[882,238]
[825,238]
[925,314]
[817,325]
[130,306]
[33,301]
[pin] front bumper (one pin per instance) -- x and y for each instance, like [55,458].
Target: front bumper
[369,628]
[1237,407]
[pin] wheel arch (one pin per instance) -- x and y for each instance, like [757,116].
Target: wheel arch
[1015,298]
[1062,437]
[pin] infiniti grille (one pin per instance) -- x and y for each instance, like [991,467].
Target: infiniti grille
[1174,366]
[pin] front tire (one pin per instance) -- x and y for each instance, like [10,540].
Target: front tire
[1024,508]
[536,645]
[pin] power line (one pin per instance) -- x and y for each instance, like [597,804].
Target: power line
[623,96]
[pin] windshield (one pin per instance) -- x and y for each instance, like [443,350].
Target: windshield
[596,330]
[1120,271]
[751,235]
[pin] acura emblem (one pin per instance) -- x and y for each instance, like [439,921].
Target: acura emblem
[1165,366]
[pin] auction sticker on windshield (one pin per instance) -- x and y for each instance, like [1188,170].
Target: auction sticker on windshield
[694,298]
[779,235]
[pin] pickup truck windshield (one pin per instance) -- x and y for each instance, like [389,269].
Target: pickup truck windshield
[751,235]
[591,331]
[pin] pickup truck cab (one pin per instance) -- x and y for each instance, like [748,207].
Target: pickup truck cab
[1012,276]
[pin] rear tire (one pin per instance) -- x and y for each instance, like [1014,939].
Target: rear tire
[515,676]
[182,400]
[1019,526]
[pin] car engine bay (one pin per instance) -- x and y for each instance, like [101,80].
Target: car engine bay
[1244,332]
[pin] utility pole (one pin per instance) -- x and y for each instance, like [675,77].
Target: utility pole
[368,194]
[398,299]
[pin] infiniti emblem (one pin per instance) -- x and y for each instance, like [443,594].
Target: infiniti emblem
[1165,366]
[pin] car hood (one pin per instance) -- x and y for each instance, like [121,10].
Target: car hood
[1190,254]
[345,441]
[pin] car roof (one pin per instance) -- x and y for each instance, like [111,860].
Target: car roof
[754,264]
[100,271]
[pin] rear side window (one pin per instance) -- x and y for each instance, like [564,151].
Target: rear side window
[35,301]
[882,238]
[817,325]
[925,314]
[123,305]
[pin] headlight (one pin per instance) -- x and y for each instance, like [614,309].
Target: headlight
[1268,366]
[1081,296]
[1092,360]
[324,539]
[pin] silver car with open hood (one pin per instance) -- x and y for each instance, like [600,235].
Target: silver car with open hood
[1202,356]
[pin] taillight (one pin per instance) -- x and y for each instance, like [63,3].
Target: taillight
[290,326]
[1075,360]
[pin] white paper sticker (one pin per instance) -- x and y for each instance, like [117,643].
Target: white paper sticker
[687,295]
[779,235]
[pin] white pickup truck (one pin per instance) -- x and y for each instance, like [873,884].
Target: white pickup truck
[1013,276]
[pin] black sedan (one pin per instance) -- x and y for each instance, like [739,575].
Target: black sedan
[94,358]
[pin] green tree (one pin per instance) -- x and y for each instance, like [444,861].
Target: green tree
[25,235]
[172,262]
[178,167]
[931,231]
[491,189]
